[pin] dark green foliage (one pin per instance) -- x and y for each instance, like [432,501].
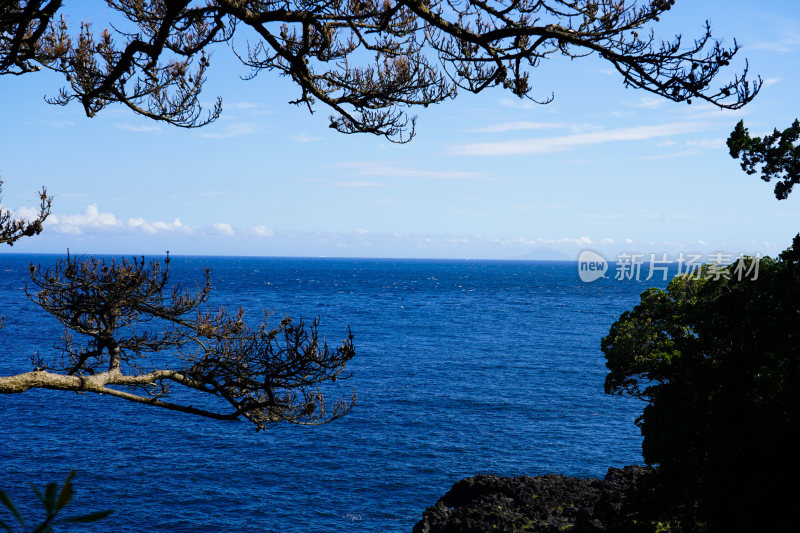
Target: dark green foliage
[53,500]
[718,362]
[777,155]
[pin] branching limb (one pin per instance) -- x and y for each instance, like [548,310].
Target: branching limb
[125,311]
[11,229]
[24,26]
[369,61]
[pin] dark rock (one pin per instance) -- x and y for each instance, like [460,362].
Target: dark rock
[549,503]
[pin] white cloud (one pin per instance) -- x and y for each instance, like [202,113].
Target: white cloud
[93,220]
[579,241]
[693,147]
[60,124]
[358,184]
[75,224]
[607,241]
[242,105]
[566,142]
[168,226]
[389,170]
[518,103]
[157,226]
[246,110]
[707,144]
[304,138]
[649,102]
[140,128]
[707,111]
[23,213]
[520,125]
[142,224]
[237,129]
[789,41]
[223,229]
[263,231]
[671,155]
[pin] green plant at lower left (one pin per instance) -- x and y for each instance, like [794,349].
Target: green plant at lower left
[53,500]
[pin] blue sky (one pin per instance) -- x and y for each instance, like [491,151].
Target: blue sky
[487,176]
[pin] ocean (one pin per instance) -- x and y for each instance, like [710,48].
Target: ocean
[461,368]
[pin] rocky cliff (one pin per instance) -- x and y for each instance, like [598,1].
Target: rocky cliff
[549,503]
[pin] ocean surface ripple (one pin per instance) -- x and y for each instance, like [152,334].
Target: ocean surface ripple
[462,368]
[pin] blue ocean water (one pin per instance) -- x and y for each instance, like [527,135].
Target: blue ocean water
[462,368]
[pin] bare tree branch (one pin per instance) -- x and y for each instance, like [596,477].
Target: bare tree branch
[125,311]
[12,229]
[23,26]
[369,61]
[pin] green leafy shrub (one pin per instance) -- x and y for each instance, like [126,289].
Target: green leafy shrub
[53,500]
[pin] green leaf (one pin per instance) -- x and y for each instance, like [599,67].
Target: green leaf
[66,492]
[91,517]
[44,528]
[50,497]
[7,502]
[38,493]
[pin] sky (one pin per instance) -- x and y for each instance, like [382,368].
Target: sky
[602,167]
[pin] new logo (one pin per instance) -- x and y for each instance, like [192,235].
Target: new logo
[591,266]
